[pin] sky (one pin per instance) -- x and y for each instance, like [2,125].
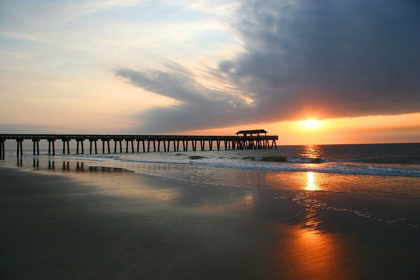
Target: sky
[213,67]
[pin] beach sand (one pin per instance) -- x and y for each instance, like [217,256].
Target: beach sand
[115,224]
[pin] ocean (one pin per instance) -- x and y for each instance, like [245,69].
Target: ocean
[379,169]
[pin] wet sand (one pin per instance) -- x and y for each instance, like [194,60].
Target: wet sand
[111,224]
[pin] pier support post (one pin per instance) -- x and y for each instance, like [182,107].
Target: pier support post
[64,146]
[109,148]
[36,146]
[144,150]
[21,147]
[51,145]
[91,145]
[115,146]
[80,144]
[158,143]
[2,149]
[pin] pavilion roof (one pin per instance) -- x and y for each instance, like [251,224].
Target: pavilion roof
[255,131]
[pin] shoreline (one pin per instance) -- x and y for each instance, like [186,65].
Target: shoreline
[403,187]
[125,225]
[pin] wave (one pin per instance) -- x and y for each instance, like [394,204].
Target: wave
[302,165]
[337,168]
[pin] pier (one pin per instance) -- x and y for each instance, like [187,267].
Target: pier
[140,143]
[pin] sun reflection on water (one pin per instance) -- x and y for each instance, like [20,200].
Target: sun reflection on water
[311,151]
[311,254]
[311,184]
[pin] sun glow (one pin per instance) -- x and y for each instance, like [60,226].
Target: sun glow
[311,124]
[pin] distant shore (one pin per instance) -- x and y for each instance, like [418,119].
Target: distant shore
[121,225]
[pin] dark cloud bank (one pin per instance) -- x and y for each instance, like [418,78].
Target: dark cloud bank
[338,58]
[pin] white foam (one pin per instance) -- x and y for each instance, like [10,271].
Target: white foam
[295,165]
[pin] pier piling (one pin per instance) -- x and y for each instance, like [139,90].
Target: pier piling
[2,149]
[19,151]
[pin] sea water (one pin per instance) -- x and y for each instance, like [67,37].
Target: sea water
[378,169]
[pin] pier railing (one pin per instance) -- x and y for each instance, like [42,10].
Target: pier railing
[149,143]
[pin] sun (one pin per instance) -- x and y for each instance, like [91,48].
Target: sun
[311,124]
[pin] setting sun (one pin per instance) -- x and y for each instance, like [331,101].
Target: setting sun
[311,124]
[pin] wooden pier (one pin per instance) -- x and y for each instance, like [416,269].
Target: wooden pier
[138,143]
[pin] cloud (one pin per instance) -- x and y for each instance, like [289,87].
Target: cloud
[341,58]
[199,105]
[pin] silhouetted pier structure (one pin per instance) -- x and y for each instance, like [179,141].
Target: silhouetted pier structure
[140,143]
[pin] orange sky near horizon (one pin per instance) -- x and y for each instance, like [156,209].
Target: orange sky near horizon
[361,130]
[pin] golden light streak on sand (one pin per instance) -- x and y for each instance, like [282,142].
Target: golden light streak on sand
[311,184]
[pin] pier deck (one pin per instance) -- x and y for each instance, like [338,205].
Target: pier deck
[149,143]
